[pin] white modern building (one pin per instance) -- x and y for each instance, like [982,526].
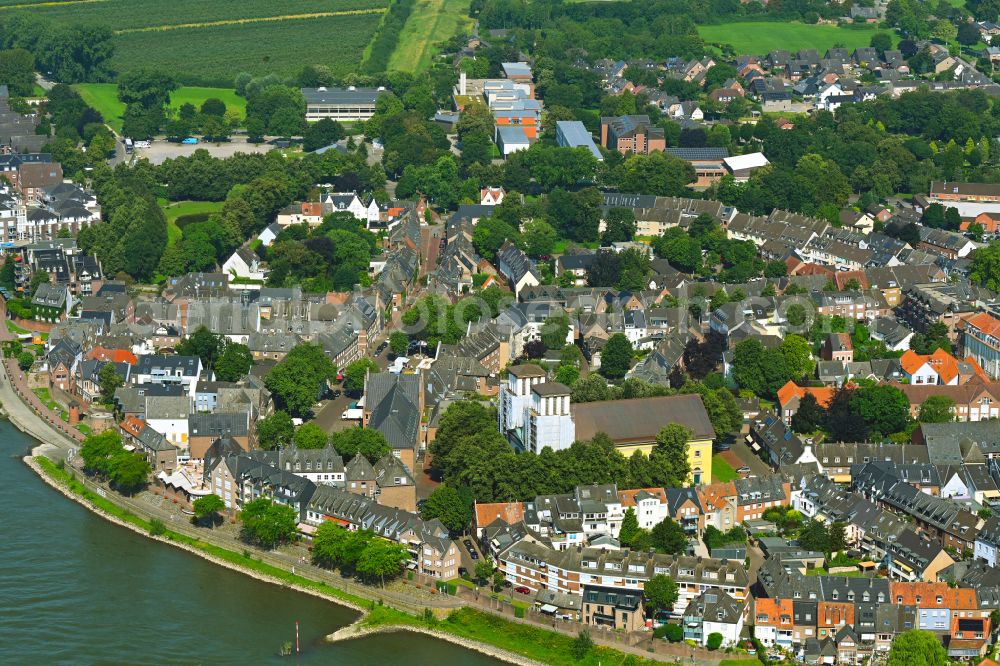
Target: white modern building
[532,410]
[341,104]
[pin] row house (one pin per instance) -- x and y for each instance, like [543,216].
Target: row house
[974,401]
[533,564]
[432,551]
[950,523]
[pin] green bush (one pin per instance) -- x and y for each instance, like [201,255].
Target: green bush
[157,527]
[673,632]
[714,641]
[518,611]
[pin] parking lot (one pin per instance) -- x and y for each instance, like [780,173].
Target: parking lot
[162,150]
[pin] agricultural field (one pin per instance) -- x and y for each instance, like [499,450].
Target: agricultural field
[761,37]
[431,22]
[104,98]
[208,43]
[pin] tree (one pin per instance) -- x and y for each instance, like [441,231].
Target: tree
[616,357]
[798,356]
[25,360]
[985,268]
[449,506]
[796,314]
[937,409]
[298,380]
[605,270]
[355,374]
[490,233]
[267,524]
[668,537]
[398,342]
[207,508]
[582,645]
[97,451]
[17,71]
[670,455]
[484,570]
[881,42]
[128,471]
[620,226]
[328,544]
[660,592]
[917,648]
[275,431]
[809,416]
[364,441]
[836,537]
[234,363]
[762,371]
[932,339]
[310,436]
[555,330]
[814,536]
[714,641]
[382,558]
[204,344]
[539,237]
[885,409]
[673,633]
[629,529]
[322,133]
[108,380]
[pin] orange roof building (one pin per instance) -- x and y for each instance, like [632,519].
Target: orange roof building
[627,497]
[508,512]
[113,355]
[770,612]
[791,394]
[939,368]
[933,595]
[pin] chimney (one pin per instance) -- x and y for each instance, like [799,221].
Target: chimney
[461,83]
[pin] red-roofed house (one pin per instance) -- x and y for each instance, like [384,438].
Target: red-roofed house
[939,368]
[791,394]
[113,355]
[773,621]
[650,505]
[508,512]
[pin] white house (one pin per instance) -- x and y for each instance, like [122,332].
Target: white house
[987,540]
[270,232]
[168,415]
[350,202]
[711,612]
[245,263]
[491,196]
[163,369]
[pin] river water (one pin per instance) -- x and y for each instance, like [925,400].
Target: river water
[76,589]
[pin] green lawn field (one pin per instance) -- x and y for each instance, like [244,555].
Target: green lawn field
[759,38]
[104,98]
[722,472]
[431,22]
[182,208]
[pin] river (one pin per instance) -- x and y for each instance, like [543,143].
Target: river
[76,589]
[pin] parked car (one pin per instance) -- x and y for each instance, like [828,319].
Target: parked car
[337,393]
[521,589]
[743,470]
[190,141]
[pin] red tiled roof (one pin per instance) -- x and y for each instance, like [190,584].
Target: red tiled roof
[627,497]
[509,512]
[792,390]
